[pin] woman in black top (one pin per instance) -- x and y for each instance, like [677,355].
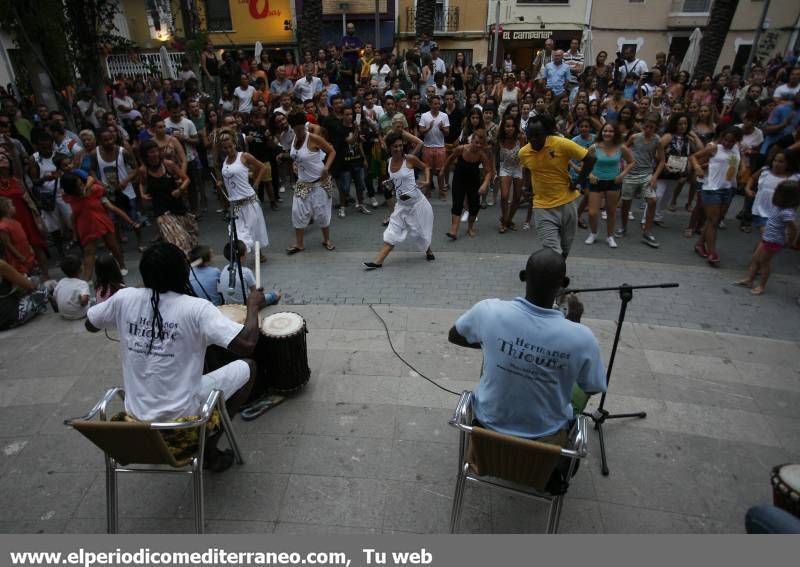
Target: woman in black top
[164,184]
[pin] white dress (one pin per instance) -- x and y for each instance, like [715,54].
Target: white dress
[317,204]
[412,219]
[250,224]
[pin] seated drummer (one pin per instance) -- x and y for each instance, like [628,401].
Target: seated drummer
[533,355]
[164,332]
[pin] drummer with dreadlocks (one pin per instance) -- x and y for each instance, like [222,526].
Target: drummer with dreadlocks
[164,331]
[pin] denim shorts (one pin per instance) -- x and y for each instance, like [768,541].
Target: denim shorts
[718,197]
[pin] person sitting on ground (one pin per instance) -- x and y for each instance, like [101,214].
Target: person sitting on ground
[204,276]
[533,355]
[164,331]
[20,298]
[234,294]
[72,293]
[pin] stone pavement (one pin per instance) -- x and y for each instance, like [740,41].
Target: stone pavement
[365,447]
[469,270]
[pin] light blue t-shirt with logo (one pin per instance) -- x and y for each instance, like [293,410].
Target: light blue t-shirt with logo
[531,359]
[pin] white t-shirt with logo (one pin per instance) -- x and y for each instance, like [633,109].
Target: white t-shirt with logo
[435,137]
[166,382]
[187,129]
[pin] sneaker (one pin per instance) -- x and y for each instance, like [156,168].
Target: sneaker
[611,242]
[465,216]
[630,216]
[590,239]
[621,232]
[650,240]
[341,212]
[526,226]
[282,189]
[490,200]
[603,215]
[363,210]
[123,271]
[374,203]
[721,225]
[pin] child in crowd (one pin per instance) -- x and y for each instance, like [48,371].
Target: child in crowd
[235,295]
[204,276]
[72,293]
[19,252]
[107,277]
[92,222]
[780,231]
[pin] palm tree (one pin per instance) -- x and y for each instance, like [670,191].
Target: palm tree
[311,25]
[425,17]
[719,22]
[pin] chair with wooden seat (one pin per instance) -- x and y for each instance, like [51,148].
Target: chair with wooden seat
[133,446]
[514,464]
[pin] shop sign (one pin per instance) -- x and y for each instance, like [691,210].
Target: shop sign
[526,35]
[259,9]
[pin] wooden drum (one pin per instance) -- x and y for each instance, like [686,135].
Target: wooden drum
[282,353]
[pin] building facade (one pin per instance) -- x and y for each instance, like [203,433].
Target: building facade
[361,13]
[655,26]
[459,26]
[524,26]
[227,22]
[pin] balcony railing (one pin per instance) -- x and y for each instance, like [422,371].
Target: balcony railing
[699,7]
[140,65]
[443,21]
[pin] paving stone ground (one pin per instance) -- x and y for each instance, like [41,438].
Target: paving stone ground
[365,447]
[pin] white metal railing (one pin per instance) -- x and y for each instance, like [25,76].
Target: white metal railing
[690,7]
[144,65]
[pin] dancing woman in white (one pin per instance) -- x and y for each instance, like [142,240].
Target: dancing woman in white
[412,219]
[314,188]
[236,168]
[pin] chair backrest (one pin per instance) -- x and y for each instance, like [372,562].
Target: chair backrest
[514,459]
[128,442]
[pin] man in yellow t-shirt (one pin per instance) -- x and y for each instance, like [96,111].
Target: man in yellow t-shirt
[546,160]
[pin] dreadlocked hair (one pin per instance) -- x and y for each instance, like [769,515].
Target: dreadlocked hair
[164,268]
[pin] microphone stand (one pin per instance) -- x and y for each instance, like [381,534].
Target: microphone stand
[235,263]
[600,415]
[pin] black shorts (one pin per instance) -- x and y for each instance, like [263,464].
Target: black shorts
[604,185]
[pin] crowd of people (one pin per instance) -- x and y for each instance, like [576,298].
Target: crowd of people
[562,141]
[568,143]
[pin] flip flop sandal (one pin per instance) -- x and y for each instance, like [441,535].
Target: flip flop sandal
[450,236]
[429,256]
[742,283]
[371,266]
[293,250]
[329,246]
[757,291]
[260,406]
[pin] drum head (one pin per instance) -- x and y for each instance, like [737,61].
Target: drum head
[283,324]
[236,313]
[790,475]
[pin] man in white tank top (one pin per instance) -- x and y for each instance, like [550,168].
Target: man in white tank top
[115,167]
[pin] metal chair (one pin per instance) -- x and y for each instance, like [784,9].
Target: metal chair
[511,463]
[141,444]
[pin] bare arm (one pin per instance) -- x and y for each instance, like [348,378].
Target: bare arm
[180,173]
[408,137]
[143,184]
[180,154]
[255,165]
[705,153]
[9,273]
[627,155]
[448,163]
[587,165]
[661,162]
[416,163]
[457,339]
[245,342]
